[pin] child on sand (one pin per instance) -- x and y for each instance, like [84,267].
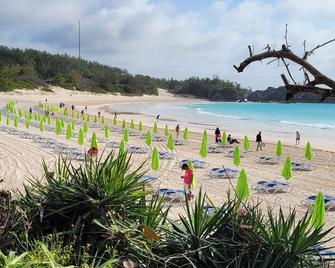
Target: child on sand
[177,131]
[188,177]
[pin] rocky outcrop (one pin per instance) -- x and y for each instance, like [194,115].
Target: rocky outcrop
[272,94]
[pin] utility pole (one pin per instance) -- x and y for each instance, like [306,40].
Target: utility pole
[79,38]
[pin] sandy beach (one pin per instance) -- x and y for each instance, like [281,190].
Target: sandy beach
[21,159]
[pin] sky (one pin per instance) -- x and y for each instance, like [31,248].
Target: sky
[175,38]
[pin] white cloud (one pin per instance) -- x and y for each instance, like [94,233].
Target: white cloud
[156,38]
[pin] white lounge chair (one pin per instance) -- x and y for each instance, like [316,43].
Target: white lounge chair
[215,150]
[301,166]
[223,173]
[180,142]
[112,144]
[158,138]
[268,160]
[137,150]
[172,195]
[166,155]
[271,186]
[231,153]
[196,163]
[329,201]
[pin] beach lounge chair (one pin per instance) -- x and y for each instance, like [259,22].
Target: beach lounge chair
[180,142]
[112,144]
[4,128]
[215,149]
[27,135]
[222,173]
[76,155]
[49,143]
[271,186]
[13,131]
[230,153]
[196,163]
[132,132]
[100,140]
[301,166]
[326,255]
[158,138]
[166,155]
[172,195]
[137,150]
[148,179]
[267,160]
[209,210]
[95,125]
[60,148]
[329,201]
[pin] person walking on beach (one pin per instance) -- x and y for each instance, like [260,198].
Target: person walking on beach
[177,131]
[157,117]
[188,177]
[297,138]
[259,141]
[217,135]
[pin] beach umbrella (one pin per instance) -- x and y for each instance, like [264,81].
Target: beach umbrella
[103,120]
[58,127]
[44,118]
[155,130]
[242,187]
[114,121]
[27,122]
[308,151]
[42,126]
[122,147]
[318,214]
[20,112]
[279,149]
[123,123]
[203,148]
[94,141]
[140,126]
[287,169]
[35,116]
[30,116]
[148,139]
[167,131]
[16,121]
[191,166]
[85,127]
[126,135]
[88,118]
[237,157]
[73,124]
[81,137]
[107,131]
[49,120]
[95,119]
[38,116]
[7,120]
[66,112]
[170,143]
[186,134]
[224,138]
[78,115]
[205,136]
[69,132]
[62,122]
[155,159]
[132,125]
[246,143]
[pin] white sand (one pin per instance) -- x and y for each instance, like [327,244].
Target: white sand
[20,157]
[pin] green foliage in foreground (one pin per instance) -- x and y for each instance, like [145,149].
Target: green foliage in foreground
[101,214]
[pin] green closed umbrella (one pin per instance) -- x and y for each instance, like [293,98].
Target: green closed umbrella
[123,123]
[167,131]
[66,113]
[73,124]
[186,134]
[85,127]
[95,119]
[42,126]
[155,128]
[26,122]
[287,169]
[170,143]
[16,121]
[103,120]
[20,112]
[94,141]
[49,120]
[107,131]
[155,165]
[114,121]
[242,187]
[62,123]
[81,137]
[58,127]
[88,118]
[140,126]
[126,135]
[279,149]
[318,214]
[78,115]
[8,120]
[246,143]
[69,132]
[203,148]
[35,116]
[191,166]
[148,139]
[308,152]
[224,138]
[122,147]
[205,136]
[132,125]
[237,156]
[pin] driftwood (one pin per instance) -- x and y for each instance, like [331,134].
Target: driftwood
[311,86]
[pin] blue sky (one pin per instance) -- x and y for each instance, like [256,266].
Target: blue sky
[175,38]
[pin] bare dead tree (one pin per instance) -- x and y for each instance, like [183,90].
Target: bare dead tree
[284,54]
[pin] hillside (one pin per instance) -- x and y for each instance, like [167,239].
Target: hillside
[35,69]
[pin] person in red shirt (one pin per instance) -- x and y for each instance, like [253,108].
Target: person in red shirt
[188,177]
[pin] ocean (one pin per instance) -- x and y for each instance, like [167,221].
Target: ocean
[276,120]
